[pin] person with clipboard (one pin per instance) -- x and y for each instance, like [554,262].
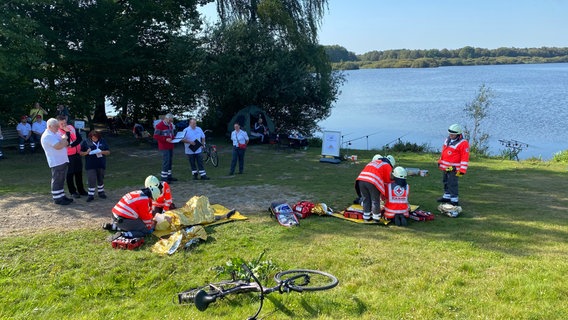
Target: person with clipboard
[193,139]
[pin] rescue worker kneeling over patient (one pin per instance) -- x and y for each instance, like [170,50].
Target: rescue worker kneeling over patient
[133,213]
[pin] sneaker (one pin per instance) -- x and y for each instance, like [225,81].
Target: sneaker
[90,198]
[62,201]
[442,199]
[108,226]
[76,195]
[102,195]
[205,178]
[67,199]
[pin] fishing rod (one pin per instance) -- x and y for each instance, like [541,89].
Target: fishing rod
[348,142]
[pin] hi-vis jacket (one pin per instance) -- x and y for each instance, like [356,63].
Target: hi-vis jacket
[377,173]
[135,205]
[396,201]
[455,154]
[164,201]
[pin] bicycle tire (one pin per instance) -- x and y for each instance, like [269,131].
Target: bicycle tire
[318,280]
[214,158]
[205,155]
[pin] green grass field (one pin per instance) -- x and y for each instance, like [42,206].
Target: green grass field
[505,257]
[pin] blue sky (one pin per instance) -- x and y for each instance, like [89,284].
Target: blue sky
[366,25]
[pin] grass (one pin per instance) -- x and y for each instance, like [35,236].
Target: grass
[503,258]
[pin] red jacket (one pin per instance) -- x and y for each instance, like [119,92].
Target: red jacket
[396,201]
[164,201]
[135,205]
[377,173]
[162,132]
[455,154]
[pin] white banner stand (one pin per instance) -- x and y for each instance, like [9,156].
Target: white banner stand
[330,147]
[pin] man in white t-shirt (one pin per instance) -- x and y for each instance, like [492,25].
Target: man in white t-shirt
[194,139]
[38,127]
[25,135]
[55,147]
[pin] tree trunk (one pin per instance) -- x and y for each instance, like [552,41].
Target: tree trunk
[100,112]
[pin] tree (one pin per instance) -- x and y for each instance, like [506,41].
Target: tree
[339,54]
[90,50]
[477,111]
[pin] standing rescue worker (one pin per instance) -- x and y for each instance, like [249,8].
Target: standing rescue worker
[370,185]
[396,201]
[133,213]
[164,201]
[453,162]
[164,134]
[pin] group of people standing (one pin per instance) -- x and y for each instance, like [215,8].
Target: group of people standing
[381,180]
[64,148]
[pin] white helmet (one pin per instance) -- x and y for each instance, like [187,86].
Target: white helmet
[391,160]
[151,181]
[376,157]
[455,129]
[399,172]
[155,191]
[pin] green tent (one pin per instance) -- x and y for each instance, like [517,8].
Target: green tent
[246,117]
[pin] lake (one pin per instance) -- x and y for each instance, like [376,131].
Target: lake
[378,106]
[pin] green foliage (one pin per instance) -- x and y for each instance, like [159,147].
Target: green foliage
[247,65]
[560,156]
[262,269]
[339,54]
[401,146]
[477,111]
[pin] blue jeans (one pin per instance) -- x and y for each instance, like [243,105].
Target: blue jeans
[196,163]
[167,156]
[238,154]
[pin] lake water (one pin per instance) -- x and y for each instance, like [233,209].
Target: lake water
[378,106]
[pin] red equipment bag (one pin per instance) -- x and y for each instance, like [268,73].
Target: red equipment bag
[353,214]
[127,243]
[421,215]
[303,209]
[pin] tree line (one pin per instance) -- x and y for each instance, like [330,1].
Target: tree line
[406,58]
[152,57]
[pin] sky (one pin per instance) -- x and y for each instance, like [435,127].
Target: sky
[366,25]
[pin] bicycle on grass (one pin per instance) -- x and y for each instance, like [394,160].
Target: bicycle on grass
[298,280]
[210,152]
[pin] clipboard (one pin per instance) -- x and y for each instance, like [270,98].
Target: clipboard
[179,136]
[196,146]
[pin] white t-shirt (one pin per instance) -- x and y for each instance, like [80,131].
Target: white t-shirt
[54,157]
[239,138]
[39,126]
[192,135]
[24,128]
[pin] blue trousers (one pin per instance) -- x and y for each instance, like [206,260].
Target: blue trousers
[238,155]
[167,156]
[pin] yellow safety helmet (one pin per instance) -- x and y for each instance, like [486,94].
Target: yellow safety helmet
[455,129]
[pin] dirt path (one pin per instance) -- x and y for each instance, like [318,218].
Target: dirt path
[30,213]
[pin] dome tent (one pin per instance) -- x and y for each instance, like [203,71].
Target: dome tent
[247,116]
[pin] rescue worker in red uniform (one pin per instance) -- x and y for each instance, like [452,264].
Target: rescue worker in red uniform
[165,201]
[396,201]
[453,162]
[133,213]
[370,185]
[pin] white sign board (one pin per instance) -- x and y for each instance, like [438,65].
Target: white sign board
[331,143]
[79,124]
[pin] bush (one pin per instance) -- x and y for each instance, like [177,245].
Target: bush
[560,156]
[401,146]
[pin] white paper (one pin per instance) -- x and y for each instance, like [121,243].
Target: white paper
[97,150]
[179,136]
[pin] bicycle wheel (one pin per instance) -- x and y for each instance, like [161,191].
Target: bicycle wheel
[306,280]
[205,154]
[214,158]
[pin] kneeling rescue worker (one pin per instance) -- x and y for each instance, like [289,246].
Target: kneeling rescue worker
[370,185]
[165,201]
[396,201]
[133,213]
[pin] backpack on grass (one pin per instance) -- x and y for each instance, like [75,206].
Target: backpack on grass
[303,209]
[283,214]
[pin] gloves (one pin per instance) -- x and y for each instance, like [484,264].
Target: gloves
[459,174]
[449,169]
